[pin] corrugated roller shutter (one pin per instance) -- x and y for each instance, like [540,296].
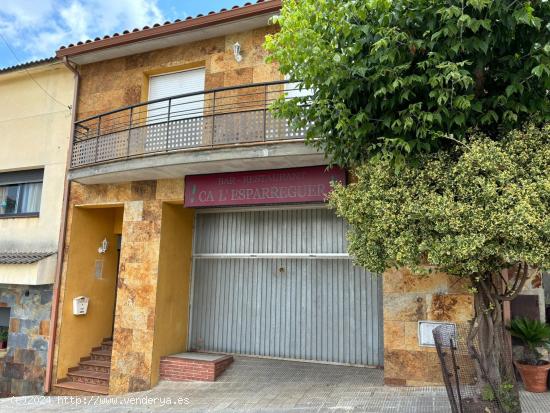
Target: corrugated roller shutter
[303,299]
[274,231]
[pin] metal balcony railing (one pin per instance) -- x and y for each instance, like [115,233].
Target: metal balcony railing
[208,119]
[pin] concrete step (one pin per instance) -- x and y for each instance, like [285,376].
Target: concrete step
[89,377]
[101,355]
[81,388]
[101,366]
[107,344]
[104,348]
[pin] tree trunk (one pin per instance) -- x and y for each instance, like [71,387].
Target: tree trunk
[490,349]
[489,340]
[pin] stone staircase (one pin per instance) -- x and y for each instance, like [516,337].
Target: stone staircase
[91,376]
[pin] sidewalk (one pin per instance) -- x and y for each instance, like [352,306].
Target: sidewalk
[252,385]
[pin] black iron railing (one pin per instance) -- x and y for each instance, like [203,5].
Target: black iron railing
[218,117]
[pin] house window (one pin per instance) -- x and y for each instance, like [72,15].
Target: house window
[20,193]
[4,329]
[173,84]
[292,90]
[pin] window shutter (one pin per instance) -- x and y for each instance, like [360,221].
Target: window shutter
[177,83]
[292,90]
[173,84]
[21,177]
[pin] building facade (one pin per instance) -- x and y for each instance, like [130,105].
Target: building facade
[196,220]
[35,139]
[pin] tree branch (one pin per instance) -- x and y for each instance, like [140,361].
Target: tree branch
[516,279]
[505,283]
[517,287]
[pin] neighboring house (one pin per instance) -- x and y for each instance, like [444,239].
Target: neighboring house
[35,125]
[196,220]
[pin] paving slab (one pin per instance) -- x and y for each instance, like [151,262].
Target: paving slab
[264,385]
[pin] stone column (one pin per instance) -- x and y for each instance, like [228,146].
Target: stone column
[136,304]
[136,297]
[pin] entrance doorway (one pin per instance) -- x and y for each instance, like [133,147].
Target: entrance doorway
[92,271]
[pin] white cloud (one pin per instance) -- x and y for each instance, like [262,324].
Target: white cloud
[76,19]
[27,12]
[38,28]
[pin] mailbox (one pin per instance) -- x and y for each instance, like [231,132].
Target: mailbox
[80,305]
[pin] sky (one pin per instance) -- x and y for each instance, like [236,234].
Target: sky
[34,29]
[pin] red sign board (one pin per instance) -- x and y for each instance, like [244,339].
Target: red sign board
[276,186]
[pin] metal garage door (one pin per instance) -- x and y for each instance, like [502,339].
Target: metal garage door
[279,283]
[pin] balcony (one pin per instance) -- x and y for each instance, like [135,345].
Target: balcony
[220,118]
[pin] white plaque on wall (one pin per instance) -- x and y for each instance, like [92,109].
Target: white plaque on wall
[425,331]
[98,269]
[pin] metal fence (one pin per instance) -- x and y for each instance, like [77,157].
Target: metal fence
[470,388]
[218,117]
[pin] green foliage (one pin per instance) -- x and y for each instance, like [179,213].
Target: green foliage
[487,393]
[533,334]
[506,396]
[394,78]
[3,334]
[477,209]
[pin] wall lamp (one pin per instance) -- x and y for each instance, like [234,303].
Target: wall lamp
[237,52]
[103,246]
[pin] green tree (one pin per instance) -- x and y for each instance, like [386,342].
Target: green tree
[395,78]
[396,81]
[471,211]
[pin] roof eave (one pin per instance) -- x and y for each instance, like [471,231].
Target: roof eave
[28,65]
[197,23]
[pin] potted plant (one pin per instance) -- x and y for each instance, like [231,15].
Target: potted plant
[3,338]
[534,334]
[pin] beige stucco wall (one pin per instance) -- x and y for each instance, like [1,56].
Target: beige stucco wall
[35,132]
[173,284]
[38,273]
[91,226]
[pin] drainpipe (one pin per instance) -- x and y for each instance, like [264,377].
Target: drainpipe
[61,240]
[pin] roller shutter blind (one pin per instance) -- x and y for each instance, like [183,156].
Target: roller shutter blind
[173,84]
